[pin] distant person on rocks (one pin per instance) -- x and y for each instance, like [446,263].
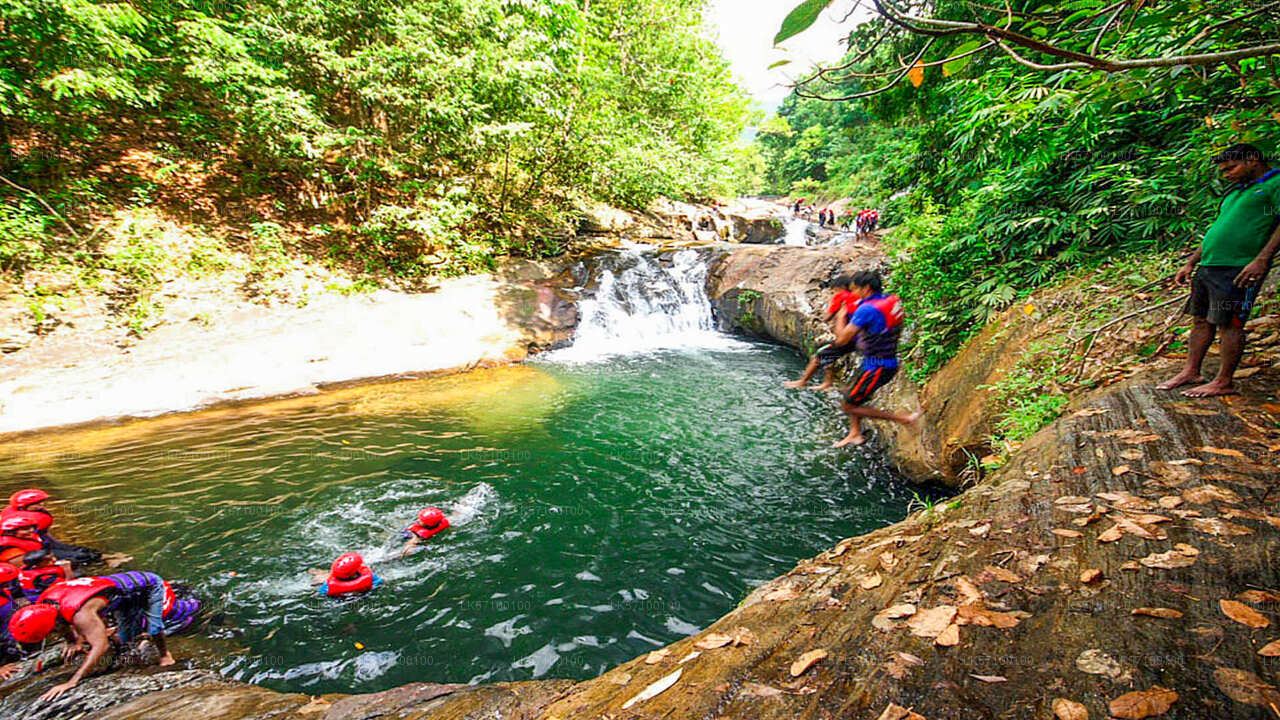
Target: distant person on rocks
[843,302]
[873,219]
[874,327]
[795,209]
[1228,269]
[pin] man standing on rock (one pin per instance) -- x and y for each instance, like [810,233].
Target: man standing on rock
[1233,260]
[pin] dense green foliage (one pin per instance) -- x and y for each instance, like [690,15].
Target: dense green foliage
[1001,178]
[443,131]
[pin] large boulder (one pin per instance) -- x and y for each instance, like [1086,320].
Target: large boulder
[755,228]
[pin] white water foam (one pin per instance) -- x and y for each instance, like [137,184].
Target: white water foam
[644,302]
[795,227]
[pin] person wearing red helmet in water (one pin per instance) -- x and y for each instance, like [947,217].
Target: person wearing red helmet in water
[9,594]
[29,504]
[19,535]
[430,521]
[136,603]
[349,576]
[40,570]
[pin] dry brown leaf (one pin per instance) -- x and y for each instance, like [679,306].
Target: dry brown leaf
[989,678]
[806,661]
[975,614]
[711,641]
[901,664]
[1111,534]
[1142,530]
[949,637]
[1089,575]
[759,690]
[928,623]
[1169,502]
[1158,612]
[871,581]
[1097,662]
[1243,614]
[897,712]
[1168,560]
[888,561]
[1002,574]
[1119,470]
[1066,533]
[1225,452]
[316,705]
[1245,687]
[656,656]
[1064,709]
[1258,596]
[884,620]
[1219,527]
[1143,703]
[980,530]
[1271,649]
[654,689]
[1071,500]
[1205,494]
[969,593]
[1130,565]
[743,636]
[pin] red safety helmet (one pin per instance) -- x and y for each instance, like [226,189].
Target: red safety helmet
[11,524]
[32,623]
[30,496]
[8,573]
[347,566]
[431,517]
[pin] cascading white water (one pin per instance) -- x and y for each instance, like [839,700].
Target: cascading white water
[795,227]
[645,301]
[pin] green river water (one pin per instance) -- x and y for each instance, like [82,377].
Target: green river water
[603,509]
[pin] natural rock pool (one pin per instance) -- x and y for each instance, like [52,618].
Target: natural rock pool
[604,506]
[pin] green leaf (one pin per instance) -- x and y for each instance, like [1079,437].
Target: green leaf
[780,63]
[799,19]
[955,66]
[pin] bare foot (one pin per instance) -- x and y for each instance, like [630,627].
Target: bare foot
[167,659]
[793,384]
[854,440]
[1211,389]
[1183,378]
[823,386]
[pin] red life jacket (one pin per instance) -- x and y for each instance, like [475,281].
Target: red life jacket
[71,595]
[28,576]
[26,545]
[362,582]
[169,599]
[41,518]
[425,532]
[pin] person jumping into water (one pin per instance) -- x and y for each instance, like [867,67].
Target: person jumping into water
[873,328]
[842,303]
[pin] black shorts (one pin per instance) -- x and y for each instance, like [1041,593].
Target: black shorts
[828,354]
[1216,299]
[870,380]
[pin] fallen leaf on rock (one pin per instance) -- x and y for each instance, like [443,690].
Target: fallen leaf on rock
[743,636]
[976,614]
[1205,494]
[1271,649]
[888,561]
[897,712]
[1159,612]
[1071,500]
[989,678]
[1243,614]
[620,678]
[1219,527]
[656,688]
[842,547]
[901,663]
[1225,452]
[1097,662]
[1089,575]
[929,623]
[1168,560]
[1002,574]
[980,530]
[1086,412]
[1130,565]
[711,641]
[1064,709]
[806,661]
[1132,454]
[316,705]
[656,656]
[1258,596]
[1186,549]
[1245,687]
[1119,470]
[871,581]
[1169,502]
[1111,534]
[756,689]
[884,620]
[949,637]
[1066,533]
[693,654]
[1143,703]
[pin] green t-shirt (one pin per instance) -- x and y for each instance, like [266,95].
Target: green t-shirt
[1245,221]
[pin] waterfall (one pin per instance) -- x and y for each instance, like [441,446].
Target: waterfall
[643,300]
[795,227]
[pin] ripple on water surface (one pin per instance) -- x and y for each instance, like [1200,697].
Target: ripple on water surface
[600,510]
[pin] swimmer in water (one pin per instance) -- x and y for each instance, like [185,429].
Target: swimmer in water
[430,522]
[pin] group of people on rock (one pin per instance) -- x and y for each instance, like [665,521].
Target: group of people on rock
[40,593]
[864,320]
[864,221]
